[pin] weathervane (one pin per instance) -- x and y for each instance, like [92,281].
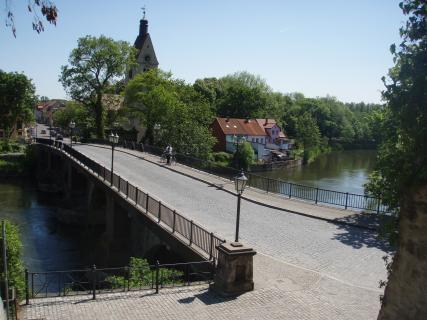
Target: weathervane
[143,11]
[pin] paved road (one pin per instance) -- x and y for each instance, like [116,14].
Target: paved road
[349,255]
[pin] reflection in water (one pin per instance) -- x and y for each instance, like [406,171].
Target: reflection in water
[345,171]
[47,245]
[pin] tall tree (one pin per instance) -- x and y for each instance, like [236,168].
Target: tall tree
[17,99]
[94,66]
[183,114]
[401,175]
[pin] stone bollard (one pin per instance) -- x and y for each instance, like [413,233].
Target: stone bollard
[234,273]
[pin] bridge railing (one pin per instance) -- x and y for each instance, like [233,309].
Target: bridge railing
[93,281]
[193,233]
[289,189]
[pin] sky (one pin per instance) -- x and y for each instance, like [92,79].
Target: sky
[329,47]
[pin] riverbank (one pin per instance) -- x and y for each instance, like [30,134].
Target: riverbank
[17,164]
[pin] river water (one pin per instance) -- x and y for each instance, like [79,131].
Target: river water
[345,171]
[47,245]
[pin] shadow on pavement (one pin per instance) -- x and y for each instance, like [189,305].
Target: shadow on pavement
[208,297]
[366,236]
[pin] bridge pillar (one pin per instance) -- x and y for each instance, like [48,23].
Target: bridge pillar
[68,180]
[234,273]
[109,218]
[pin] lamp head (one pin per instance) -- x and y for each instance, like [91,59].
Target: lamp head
[240,182]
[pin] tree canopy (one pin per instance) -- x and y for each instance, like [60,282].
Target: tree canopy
[94,66]
[17,99]
[181,114]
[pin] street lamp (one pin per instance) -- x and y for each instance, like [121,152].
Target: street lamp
[72,126]
[114,139]
[240,184]
[50,127]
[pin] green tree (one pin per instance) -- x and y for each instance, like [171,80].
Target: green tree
[401,174]
[245,96]
[76,112]
[244,156]
[17,99]
[307,133]
[184,116]
[94,66]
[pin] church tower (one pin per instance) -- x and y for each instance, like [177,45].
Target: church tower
[146,57]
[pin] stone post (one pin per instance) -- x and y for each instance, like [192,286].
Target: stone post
[234,273]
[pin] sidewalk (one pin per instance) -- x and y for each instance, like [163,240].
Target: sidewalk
[282,291]
[370,221]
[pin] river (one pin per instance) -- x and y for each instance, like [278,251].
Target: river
[47,245]
[345,171]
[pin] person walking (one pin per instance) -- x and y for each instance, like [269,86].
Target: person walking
[168,154]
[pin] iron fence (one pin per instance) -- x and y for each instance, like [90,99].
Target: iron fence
[289,189]
[93,281]
[196,235]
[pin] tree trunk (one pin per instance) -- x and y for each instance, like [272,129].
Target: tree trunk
[405,296]
[99,117]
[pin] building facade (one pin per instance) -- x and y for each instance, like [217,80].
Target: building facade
[264,135]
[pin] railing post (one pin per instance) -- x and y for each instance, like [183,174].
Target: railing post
[136,195]
[211,247]
[159,216]
[346,200]
[317,194]
[191,232]
[27,290]
[94,282]
[290,190]
[127,189]
[378,205]
[118,188]
[268,185]
[174,220]
[157,276]
[146,204]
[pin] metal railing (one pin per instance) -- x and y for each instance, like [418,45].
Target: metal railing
[344,200]
[206,242]
[291,190]
[93,281]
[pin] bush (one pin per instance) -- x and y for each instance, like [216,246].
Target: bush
[222,158]
[140,275]
[14,260]
[244,157]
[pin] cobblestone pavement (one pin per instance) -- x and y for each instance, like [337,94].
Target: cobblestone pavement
[281,291]
[306,268]
[348,253]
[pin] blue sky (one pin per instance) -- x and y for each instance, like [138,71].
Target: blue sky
[335,47]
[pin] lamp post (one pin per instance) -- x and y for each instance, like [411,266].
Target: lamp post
[50,127]
[72,126]
[114,139]
[240,184]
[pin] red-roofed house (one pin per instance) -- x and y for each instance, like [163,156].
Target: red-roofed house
[263,134]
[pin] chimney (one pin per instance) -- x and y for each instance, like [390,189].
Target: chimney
[227,119]
[143,27]
[266,121]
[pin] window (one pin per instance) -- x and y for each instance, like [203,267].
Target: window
[256,140]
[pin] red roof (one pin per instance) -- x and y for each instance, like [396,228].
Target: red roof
[248,127]
[266,123]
